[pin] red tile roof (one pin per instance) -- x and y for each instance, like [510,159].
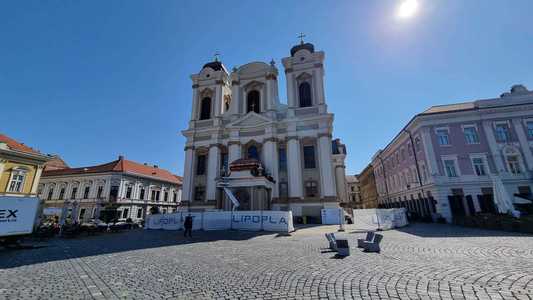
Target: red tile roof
[55,163]
[120,165]
[14,145]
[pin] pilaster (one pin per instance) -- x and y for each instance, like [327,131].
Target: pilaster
[271,162]
[325,164]
[212,171]
[524,144]
[294,168]
[187,175]
[493,146]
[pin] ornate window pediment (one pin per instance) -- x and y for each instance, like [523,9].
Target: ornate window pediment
[250,120]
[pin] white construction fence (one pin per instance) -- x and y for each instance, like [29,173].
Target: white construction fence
[374,219]
[332,216]
[279,221]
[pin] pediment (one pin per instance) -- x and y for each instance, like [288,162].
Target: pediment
[251,119]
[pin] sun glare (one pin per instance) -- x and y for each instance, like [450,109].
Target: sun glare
[407,9]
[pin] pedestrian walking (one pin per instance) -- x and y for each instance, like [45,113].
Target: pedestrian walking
[188,226]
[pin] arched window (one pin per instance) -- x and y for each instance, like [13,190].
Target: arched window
[253,103]
[205,109]
[304,91]
[253,152]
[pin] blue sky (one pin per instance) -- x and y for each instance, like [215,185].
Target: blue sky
[90,80]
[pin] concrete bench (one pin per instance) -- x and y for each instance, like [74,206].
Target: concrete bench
[373,246]
[369,238]
[332,241]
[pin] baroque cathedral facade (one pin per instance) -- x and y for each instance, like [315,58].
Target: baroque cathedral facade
[242,143]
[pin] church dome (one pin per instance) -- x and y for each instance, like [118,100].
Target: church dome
[308,46]
[215,65]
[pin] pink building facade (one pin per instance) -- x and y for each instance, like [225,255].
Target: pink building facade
[461,159]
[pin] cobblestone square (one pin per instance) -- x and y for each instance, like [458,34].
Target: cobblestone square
[422,261]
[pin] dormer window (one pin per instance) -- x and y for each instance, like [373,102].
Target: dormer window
[205,109]
[304,92]
[253,102]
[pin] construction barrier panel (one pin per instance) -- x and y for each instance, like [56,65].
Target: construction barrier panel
[383,219]
[332,216]
[217,220]
[18,215]
[279,221]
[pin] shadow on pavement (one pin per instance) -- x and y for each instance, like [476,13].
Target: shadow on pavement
[433,230]
[108,243]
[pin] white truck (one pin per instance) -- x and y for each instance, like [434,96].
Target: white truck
[18,216]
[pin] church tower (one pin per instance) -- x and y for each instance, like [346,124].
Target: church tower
[211,99]
[211,93]
[305,77]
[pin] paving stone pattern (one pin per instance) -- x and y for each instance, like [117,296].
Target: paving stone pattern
[422,261]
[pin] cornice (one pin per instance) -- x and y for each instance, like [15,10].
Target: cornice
[234,143]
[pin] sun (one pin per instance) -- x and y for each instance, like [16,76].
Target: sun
[407,9]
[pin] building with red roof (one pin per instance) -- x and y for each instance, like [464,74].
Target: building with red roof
[132,189]
[20,168]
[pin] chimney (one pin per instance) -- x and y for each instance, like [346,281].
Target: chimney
[156,166]
[120,157]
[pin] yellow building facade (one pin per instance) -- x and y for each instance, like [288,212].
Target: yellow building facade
[20,168]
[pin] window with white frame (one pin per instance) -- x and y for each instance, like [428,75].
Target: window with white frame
[16,184]
[86,192]
[50,192]
[513,163]
[449,166]
[502,132]
[471,136]
[479,166]
[311,189]
[442,136]
[73,192]
[129,191]
[529,125]
[62,193]
[99,192]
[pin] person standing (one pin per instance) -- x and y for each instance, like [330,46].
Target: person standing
[188,226]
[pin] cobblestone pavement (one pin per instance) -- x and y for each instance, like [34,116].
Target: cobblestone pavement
[422,261]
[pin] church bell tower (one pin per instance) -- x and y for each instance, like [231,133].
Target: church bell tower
[211,93]
[305,77]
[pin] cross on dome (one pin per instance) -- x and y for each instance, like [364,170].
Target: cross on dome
[301,36]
